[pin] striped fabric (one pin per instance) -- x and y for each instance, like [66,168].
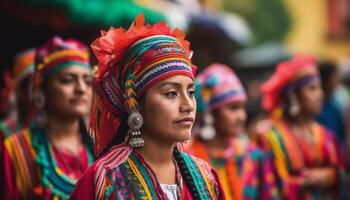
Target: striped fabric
[245,173]
[35,168]
[57,54]
[123,174]
[217,86]
[291,155]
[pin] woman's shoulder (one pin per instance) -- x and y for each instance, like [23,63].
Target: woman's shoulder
[203,167]
[94,183]
[19,140]
[202,172]
[111,160]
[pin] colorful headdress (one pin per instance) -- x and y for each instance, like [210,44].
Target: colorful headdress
[23,65]
[130,61]
[288,76]
[57,54]
[217,86]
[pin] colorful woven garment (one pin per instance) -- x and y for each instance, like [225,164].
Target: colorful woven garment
[34,167]
[244,170]
[123,174]
[291,155]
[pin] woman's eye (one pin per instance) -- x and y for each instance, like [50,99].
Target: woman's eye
[67,80]
[191,93]
[171,94]
[88,81]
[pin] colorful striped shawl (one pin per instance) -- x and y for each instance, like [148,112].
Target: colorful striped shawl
[291,155]
[124,174]
[36,170]
[246,174]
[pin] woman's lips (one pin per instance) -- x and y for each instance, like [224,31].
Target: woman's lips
[78,101]
[188,121]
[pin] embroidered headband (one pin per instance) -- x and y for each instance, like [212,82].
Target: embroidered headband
[217,86]
[56,55]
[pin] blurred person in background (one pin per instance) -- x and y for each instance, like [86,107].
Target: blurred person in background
[145,102]
[331,115]
[23,69]
[45,160]
[304,152]
[243,169]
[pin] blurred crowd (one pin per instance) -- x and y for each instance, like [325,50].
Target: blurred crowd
[283,133]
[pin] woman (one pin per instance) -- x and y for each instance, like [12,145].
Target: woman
[23,69]
[45,160]
[243,169]
[303,151]
[144,108]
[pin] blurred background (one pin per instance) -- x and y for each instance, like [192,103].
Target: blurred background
[249,35]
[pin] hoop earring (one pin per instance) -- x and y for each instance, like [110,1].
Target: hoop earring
[135,122]
[294,108]
[207,132]
[39,102]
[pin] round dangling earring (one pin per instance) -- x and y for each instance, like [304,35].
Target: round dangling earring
[294,108]
[135,122]
[207,132]
[39,102]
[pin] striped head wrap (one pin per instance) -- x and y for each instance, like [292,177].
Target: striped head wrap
[130,62]
[23,65]
[56,55]
[217,86]
[289,76]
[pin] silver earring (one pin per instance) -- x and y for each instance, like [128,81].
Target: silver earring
[294,108]
[135,122]
[207,132]
[39,102]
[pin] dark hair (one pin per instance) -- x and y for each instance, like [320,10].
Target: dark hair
[118,138]
[87,140]
[327,70]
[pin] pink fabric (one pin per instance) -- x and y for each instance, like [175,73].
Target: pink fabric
[71,164]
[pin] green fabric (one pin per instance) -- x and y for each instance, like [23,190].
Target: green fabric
[61,66]
[100,12]
[268,19]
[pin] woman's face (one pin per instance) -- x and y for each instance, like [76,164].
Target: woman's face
[310,98]
[229,120]
[68,92]
[168,109]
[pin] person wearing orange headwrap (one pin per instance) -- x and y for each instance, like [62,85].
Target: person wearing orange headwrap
[143,109]
[23,68]
[303,151]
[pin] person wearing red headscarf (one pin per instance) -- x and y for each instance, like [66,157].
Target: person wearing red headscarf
[143,109]
[304,152]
